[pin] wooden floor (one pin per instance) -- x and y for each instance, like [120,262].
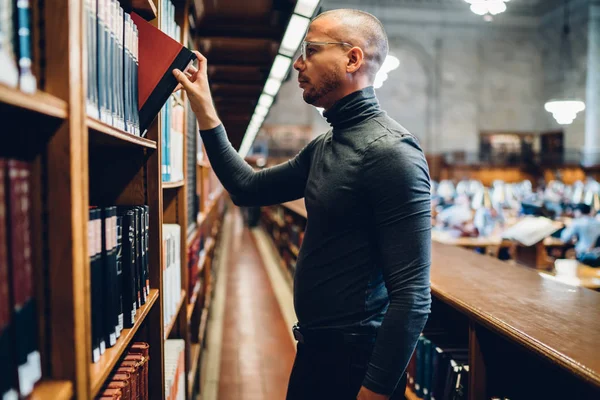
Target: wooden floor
[256,351]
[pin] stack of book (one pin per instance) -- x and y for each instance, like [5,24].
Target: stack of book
[20,366]
[15,45]
[173,112]
[439,368]
[112,65]
[129,380]
[118,247]
[175,369]
[171,270]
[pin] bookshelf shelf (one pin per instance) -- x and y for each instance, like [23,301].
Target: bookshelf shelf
[173,185]
[203,164]
[39,102]
[103,134]
[100,371]
[196,350]
[173,321]
[55,390]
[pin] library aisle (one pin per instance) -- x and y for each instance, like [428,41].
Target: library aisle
[255,349]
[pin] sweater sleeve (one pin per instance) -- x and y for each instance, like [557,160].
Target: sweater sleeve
[279,184]
[398,191]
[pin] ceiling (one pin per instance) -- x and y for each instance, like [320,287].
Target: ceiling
[240,39]
[527,7]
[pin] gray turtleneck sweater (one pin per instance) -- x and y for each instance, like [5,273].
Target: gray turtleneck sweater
[365,259]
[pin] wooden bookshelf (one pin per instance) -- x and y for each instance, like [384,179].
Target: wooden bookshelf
[524,333]
[55,390]
[204,164]
[103,134]
[173,321]
[40,103]
[100,371]
[79,162]
[173,185]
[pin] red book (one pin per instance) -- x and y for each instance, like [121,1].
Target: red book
[7,364]
[20,271]
[159,55]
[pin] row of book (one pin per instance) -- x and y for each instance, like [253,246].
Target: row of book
[439,369]
[129,379]
[175,369]
[173,111]
[118,246]
[20,365]
[172,140]
[112,65]
[171,289]
[15,45]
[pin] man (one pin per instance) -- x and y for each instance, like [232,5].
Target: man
[361,287]
[586,229]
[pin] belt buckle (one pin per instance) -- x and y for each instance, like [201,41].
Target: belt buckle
[297,334]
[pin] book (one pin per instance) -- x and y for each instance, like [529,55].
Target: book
[27,81]
[129,379]
[175,369]
[531,230]
[111,81]
[20,272]
[96,282]
[7,387]
[9,73]
[130,277]
[159,54]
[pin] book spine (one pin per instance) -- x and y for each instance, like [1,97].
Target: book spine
[99,276]
[136,65]
[129,280]
[139,258]
[147,246]
[20,270]
[109,269]
[94,285]
[119,266]
[110,65]
[9,73]
[27,81]
[7,389]
[100,60]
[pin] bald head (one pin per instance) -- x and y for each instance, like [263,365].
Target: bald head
[360,29]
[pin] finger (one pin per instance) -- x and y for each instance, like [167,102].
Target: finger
[182,79]
[199,56]
[178,88]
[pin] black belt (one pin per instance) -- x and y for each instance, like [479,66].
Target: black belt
[323,337]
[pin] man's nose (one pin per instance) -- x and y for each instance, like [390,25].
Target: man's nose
[299,63]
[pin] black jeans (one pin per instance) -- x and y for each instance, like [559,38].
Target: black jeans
[332,372]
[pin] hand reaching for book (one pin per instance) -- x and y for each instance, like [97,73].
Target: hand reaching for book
[195,83]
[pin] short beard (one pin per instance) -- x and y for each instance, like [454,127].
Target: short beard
[329,83]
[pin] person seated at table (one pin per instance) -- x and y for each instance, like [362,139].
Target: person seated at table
[458,217]
[586,229]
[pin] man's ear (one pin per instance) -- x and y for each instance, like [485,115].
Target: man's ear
[356,58]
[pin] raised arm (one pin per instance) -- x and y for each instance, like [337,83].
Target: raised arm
[284,182]
[279,184]
[396,180]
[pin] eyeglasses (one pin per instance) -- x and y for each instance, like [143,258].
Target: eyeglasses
[306,43]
